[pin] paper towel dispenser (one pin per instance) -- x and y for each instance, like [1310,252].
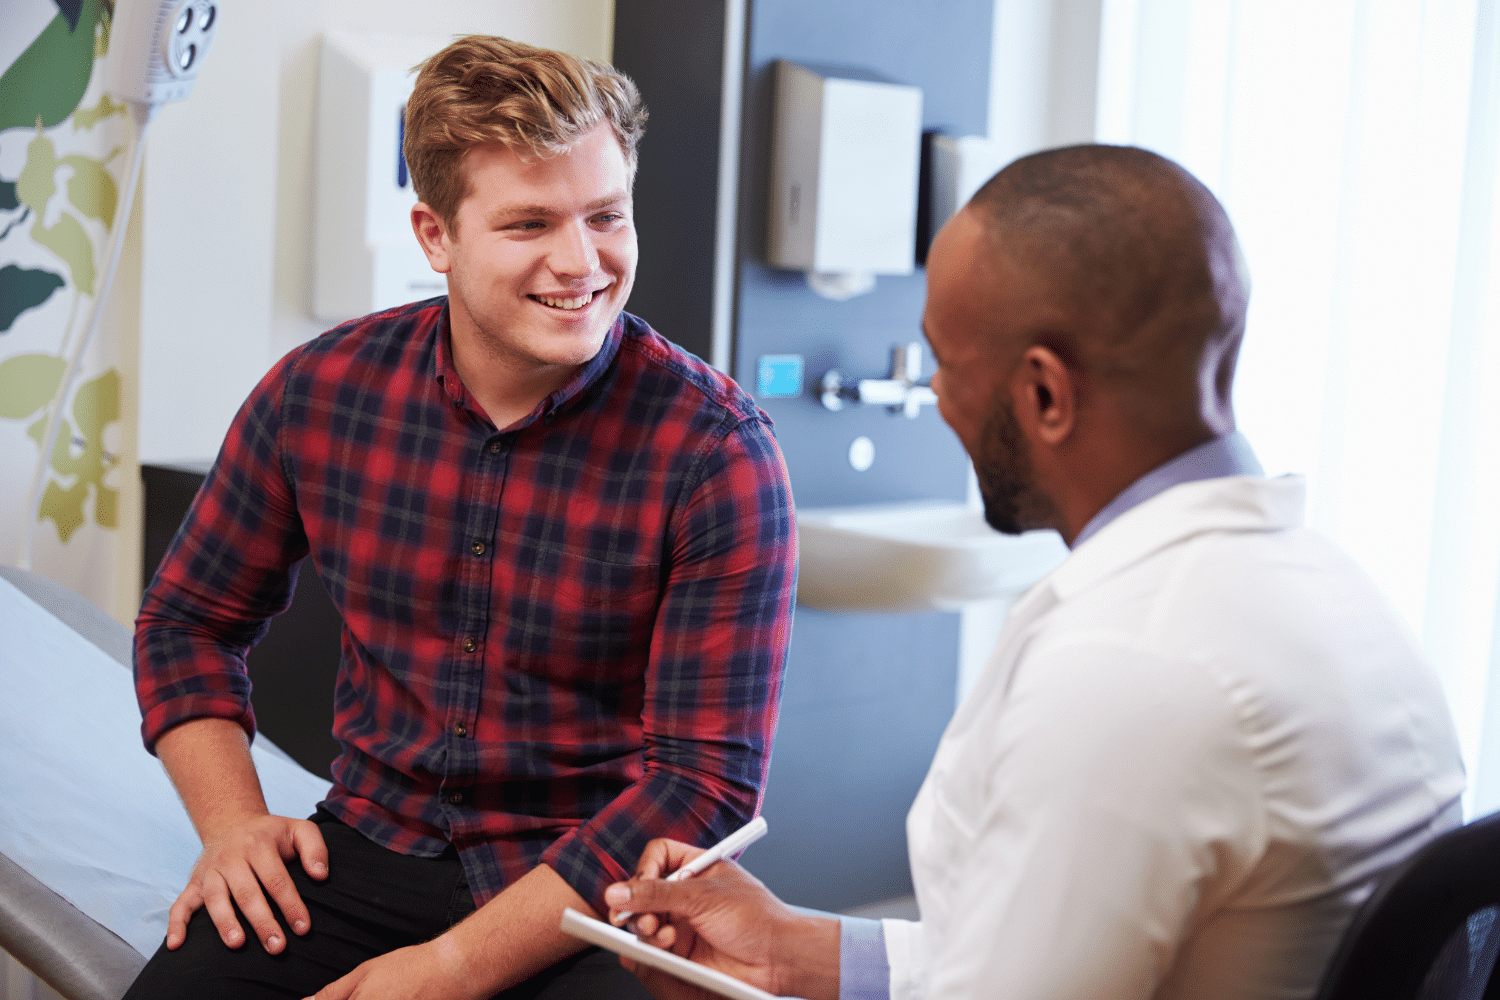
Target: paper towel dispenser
[366,257]
[845,156]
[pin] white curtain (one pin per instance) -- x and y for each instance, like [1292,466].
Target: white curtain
[1354,145]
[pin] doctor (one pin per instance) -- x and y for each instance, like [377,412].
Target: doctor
[1205,735]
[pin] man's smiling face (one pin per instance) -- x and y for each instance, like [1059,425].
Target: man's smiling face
[541,253]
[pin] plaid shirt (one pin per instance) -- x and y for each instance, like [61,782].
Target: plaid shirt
[560,640]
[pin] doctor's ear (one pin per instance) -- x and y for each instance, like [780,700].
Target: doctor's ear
[432,234]
[1046,399]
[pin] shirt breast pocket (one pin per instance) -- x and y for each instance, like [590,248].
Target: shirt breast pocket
[940,832]
[586,619]
[957,788]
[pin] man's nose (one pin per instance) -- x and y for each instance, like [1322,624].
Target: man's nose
[574,254]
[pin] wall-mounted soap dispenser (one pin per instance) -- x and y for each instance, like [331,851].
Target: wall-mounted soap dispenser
[365,254]
[845,156]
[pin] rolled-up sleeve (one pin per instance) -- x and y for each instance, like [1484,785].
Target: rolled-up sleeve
[229,570]
[713,680]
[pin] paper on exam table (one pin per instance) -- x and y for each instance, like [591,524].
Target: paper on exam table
[87,810]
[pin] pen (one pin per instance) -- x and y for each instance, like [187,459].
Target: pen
[736,841]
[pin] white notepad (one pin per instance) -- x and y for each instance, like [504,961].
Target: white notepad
[625,943]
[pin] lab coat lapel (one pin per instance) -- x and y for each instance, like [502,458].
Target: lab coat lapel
[1231,503]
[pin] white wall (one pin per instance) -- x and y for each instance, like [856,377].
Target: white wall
[227,250]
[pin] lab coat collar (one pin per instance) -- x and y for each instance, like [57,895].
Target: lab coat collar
[1231,503]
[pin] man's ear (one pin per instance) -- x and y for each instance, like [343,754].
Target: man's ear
[1045,397]
[432,234]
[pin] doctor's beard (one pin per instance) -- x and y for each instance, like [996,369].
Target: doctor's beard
[1012,501]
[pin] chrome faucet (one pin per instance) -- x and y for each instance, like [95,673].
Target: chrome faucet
[899,393]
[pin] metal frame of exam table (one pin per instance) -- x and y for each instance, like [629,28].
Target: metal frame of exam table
[61,945]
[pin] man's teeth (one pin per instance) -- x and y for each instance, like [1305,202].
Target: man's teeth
[577,303]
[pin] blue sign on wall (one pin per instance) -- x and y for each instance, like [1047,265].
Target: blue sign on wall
[779,375]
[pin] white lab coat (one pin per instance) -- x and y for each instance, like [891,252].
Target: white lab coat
[1197,743]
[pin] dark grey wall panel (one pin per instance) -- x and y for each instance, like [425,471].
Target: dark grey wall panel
[865,702]
[674,51]
[944,49]
[866,696]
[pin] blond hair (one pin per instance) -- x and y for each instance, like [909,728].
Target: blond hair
[484,89]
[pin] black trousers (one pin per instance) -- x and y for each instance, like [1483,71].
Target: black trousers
[373,901]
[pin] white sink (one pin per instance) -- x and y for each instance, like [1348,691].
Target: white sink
[915,556]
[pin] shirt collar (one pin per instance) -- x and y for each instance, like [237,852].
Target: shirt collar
[591,371]
[1226,455]
[577,388]
[1224,504]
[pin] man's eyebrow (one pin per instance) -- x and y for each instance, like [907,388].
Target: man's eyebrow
[607,200]
[548,211]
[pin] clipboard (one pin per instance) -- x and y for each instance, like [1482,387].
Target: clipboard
[625,943]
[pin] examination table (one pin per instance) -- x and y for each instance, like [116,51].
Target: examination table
[94,845]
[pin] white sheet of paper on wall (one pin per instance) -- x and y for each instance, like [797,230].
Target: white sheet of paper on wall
[366,257]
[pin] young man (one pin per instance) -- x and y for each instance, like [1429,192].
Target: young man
[564,554]
[1204,736]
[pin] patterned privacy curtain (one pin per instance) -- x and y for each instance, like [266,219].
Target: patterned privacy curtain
[63,146]
[1354,143]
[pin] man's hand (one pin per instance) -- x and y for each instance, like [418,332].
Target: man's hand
[437,970]
[236,865]
[726,919]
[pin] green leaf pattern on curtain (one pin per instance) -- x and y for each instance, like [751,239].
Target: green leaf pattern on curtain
[51,204]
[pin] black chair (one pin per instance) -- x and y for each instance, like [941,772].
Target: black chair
[1431,930]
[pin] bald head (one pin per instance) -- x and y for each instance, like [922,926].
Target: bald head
[1142,261]
[1085,309]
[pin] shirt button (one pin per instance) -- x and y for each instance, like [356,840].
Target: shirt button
[459,729]
[477,548]
[470,645]
[456,799]
[494,447]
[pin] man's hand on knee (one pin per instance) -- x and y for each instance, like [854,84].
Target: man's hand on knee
[243,865]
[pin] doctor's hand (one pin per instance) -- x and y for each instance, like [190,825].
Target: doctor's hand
[242,864]
[726,919]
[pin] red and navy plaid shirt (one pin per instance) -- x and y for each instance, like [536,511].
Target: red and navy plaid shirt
[560,640]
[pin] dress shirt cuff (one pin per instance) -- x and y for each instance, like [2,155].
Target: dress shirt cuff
[864,973]
[906,955]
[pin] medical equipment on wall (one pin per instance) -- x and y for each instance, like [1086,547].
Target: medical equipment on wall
[845,155]
[366,257]
[155,50]
[960,166]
